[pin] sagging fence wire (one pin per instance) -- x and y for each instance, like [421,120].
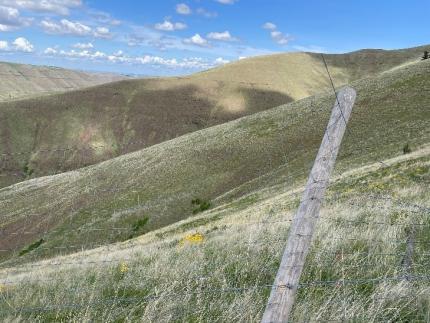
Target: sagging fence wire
[323,283]
[86,247]
[141,300]
[358,202]
[264,222]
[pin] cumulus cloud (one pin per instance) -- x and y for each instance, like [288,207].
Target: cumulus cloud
[10,19]
[75,28]
[60,7]
[170,26]
[65,27]
[186,63]
[103,32]
[280,38]
[84,54]
[269,26]
[119,57]
[277,36]
[23,45]
[83,45]
[183,9]
[197,40]
[50,51]
[18,45]
[221,36]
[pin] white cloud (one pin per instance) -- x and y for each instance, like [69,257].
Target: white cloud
[170,26]
[85,54]
[119,57]
[23,45]
[269,26]
[103,32]
[183,9]
[65,27]
[50,51]
[83,45]
[280,38]
[18,45]
[221,61]
[221,36]
[192,63]
[60,7]
[10,19]
[197,40]
[4,45]
[227,1]
[99,54]
[277,36]
[75,28]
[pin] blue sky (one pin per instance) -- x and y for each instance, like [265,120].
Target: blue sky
[169,37]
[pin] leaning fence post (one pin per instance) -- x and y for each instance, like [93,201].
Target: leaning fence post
[284,289]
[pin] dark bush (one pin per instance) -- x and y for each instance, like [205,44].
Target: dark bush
[407,149]
[201,205]
[138,227]
[31,247]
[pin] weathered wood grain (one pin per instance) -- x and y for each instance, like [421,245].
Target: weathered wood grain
[284,289]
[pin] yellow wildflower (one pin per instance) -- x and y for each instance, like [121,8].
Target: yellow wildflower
[192,238]
[123,268]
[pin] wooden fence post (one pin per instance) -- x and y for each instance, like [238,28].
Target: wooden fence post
[284,289]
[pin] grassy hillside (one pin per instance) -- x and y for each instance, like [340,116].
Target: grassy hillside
[63,132]
[19,81]
[218,165]
[219,266]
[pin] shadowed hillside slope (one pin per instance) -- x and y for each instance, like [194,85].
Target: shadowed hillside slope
[20,80]
[219,164]
[63,132]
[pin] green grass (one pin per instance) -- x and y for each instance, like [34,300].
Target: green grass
[232,161]
[167,281]
[245,174]
[23,81]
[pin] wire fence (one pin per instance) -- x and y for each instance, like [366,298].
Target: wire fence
[415,273]
[411,208]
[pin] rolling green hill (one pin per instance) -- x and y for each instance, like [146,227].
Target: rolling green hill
[176,266]
[20,81]
[57,133]
[216,165]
